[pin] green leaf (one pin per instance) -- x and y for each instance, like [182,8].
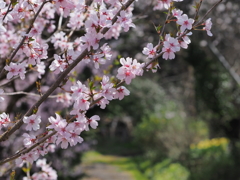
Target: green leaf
[31,39]
[14,2]
[12,175]
[25,169]
[91,84]
[158,28]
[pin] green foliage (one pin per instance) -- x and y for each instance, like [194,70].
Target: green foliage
[138,167]
[170,172]
[211,160]
[167,132]
[145,95]
[214,88]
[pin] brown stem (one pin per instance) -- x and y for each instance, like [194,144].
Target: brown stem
[8,10]
[208,12]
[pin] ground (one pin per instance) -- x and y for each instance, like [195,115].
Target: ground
[102,171]
[96,166]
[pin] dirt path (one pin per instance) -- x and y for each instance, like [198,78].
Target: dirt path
[97,166]
[102,171]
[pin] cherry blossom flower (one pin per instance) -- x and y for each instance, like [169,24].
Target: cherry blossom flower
[177,13]
[4,120]
[2,28]
[78,125]
[125,20]
[12,69]
[61,127]
[47,172]
[22,70]
[105,80]
[41,162]
[129,70]
[161,4]
[93,122]
[54,122]
[172,43]
[185,22]
[67,4]
[65,98]
[170,46]
[15,69]
[64,140]
[154,66]
[125,74]
[41,69]
[58,65]
[82,103]
[107,90]
[91,40]
[185,40]
[97,59]
[76,19]
[208,26]
[21,160]
[168,53]
[29,140]
[121,92]
[2,4]
[78,89]
[150,51]
[32,156]
[75,138]
[32,122]
[106,51]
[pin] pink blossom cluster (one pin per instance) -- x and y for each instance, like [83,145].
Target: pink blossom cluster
[129,70]
[170,45]
[33,41]
[34,50]
[41,150]
[46,173]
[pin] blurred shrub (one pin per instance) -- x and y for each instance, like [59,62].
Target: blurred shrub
[168,171]
[167,132]
[145,95]
[211,160]
[212,144]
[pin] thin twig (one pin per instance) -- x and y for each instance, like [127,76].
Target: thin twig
[26,93]
[208,12]
[60,21]
[197,10]
[8,10]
